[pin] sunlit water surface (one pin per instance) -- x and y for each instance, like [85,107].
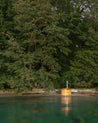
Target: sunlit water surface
[28,109]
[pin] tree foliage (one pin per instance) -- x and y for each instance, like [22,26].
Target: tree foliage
[45,43]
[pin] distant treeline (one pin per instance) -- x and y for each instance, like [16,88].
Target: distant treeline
[44,43]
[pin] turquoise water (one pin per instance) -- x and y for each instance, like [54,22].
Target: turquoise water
[30,109]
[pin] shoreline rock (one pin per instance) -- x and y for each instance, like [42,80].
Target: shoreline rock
[43,92]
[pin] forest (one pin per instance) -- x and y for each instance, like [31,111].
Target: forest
[44,43]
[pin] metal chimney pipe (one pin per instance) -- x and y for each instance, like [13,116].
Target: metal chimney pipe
[66,84]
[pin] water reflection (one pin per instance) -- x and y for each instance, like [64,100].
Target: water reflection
[66,101]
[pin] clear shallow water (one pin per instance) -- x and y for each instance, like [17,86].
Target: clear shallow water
[29,109]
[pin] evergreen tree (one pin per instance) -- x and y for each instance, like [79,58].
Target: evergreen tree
[83,69]
[40,39]
[45,43]
[6,25]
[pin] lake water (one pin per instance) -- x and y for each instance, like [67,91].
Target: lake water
[28,109]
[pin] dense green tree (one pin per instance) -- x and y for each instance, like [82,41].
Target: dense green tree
[41,39]
[80,19]
[45,43]
[83,68]
[6,26]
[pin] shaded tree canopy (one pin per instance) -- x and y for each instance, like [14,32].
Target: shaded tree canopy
[44,43]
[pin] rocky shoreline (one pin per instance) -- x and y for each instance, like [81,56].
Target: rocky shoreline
[56,92]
